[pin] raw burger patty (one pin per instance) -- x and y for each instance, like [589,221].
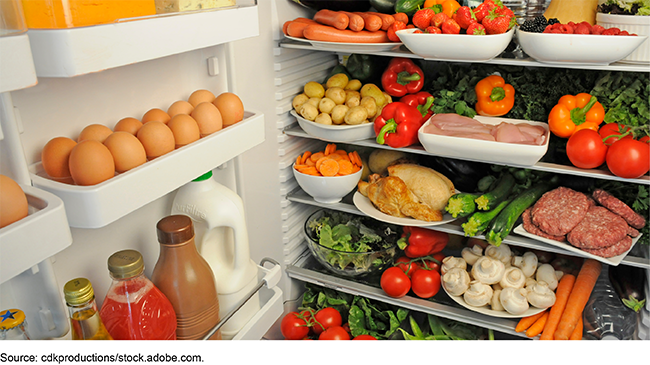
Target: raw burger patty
[616,249]
[599,228]
[558,211]
[618,207]
[531,228]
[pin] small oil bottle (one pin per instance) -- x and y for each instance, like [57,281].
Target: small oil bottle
[13,325]
[84,316]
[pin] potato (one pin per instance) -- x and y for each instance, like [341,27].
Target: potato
[323,118]
[380,159]
[308,111]
[351,93]
[353,84]
[356,115]
[298,100]
[370,104]
[337,94]
[353,101]
[338,113]
[326,105]
[338,80]
[375,92]
[314,89]
[313,101]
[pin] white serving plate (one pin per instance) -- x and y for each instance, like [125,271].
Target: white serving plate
[614,261]
[353,47]
[365,205]
[637,24]
[489,312]
[336,133]
[572,49]
[485,151]
[455,47]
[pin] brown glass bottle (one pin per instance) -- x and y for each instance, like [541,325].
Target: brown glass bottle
[186,279]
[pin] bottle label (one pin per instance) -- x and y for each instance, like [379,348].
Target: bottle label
[191,210]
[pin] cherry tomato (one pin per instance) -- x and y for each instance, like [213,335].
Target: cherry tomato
[628,158]
[645,139]
[294,327]
[326,318]
[364,337]
[334,333]
[428,264]
[586,149]
[406,267]
[425,283]
[612,129]
[394,282]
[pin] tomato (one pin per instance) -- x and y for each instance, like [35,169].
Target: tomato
[406,267]
[294,326]
[611,129]
[428,264]
[326,318]
[334,333]
[645,139]
[586,149]
[364,337]
[628,158]
[425,283]
[394,282]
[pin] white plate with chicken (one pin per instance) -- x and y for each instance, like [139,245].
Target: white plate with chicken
[365,205]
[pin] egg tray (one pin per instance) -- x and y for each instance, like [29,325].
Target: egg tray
[98,205]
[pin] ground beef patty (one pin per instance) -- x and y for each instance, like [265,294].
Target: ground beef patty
[531,228]
[558,211]
[618,207]
[599,228]
[614,250]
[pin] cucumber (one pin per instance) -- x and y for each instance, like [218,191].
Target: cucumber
[479,221]
[501,191]
[408,6]
[503,223]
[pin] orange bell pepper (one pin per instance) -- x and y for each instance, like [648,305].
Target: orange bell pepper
[449,7]
[494,97]
[573,113]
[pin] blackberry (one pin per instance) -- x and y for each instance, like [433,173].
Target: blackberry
[553,21]
[535,25]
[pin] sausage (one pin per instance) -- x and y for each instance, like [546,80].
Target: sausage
[386,19]
[335,19]
[295,28]
[325,33]
[356,21]
[372,22]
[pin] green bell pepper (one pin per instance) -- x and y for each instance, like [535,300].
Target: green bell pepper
[366,68]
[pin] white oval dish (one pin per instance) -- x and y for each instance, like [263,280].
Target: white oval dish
[638,24]
[489,312]
[335,133]
[365,205]
[353,47]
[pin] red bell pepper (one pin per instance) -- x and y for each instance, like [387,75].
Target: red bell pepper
[421,100]
[398,124]
[401,77]
[420,242]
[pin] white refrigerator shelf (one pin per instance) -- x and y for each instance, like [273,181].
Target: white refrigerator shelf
[77,51]
[99,205]
[17,71]
[29,241]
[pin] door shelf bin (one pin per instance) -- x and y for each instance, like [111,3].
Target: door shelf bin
[98,205]
[17,71]
[40,235]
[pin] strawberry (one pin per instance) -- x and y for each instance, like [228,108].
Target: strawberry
[432,30]
[483,9]
[464,16]
[496,23]
[438,19]
[476,29]
[450,27]
[418,31]
[390,32]
[422,18]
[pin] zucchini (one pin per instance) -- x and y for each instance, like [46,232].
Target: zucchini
[503,223]
[479,221]
[461,204]
[384,6]
[501,191]
[408,6]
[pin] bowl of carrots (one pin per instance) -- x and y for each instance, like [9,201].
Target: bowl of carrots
[328,175]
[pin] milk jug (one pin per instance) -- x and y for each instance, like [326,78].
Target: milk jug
[222,240]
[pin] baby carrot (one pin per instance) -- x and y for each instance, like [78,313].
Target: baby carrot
[582,288]
[526,322]
[538,326]
[561,297]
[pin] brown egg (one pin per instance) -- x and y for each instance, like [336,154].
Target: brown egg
[95,132]
[231,108]
[13,201]
[185,129]
[157,115]
[180,107]
[128,124]
[208,117]
[200,96]
[126,149]
[156,138]
[55,155]
[91,163]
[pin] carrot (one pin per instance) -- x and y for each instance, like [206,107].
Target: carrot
[386,19]
[298,167]
[345,167]
[538,326]
[309,170]
[299,160]
[320,161]
[372,22]
[331,147]
[326,33]
[310,162]
[305,156]
[332,18]
[355,158]
[329,167]
[582,289]
[526,322]
[577,332]
[401,17]
[341,152]
[561,297]
[314,157]
[356,21]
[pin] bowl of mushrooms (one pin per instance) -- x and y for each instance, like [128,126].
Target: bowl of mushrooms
[495,282]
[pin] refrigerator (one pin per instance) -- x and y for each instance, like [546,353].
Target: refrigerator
[55,82]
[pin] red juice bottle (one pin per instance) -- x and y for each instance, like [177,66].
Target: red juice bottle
[134,308]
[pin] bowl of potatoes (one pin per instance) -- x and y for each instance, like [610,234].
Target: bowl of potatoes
[341,110]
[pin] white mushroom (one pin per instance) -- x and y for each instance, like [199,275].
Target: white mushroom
[495,303]
[559,274]
[527,263]
[478,294]
[456,281]
[470,255]
[514,300]
[488,270]
[540,295]
[450,262]
[513,278]
[546,272]
[501,253]
[497,286]
[529,283]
